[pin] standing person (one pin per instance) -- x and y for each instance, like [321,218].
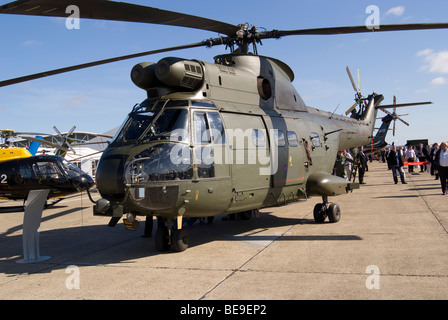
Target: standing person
[339,166]
[410,154]
[432,157]
[348,164]
[361,162]
[387,158]
[441,160]
[422,154]
[396,163]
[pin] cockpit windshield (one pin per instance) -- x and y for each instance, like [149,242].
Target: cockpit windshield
[71,170]
[156,120]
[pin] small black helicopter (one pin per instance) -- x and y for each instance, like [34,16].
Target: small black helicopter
[21,170]
[214,138]
[19,176]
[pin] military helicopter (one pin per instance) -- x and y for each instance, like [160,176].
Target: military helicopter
[21,170]
[216,138]
[379,141]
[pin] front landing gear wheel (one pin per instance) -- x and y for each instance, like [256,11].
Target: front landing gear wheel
[179,240]
[334,212]
[319,212]
[324,209]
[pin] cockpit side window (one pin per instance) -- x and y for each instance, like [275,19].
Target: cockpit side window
[216,128]
[208,128]
[46,170]
[208,131]
[201,128]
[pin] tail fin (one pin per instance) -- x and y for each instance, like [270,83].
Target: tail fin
[380,138]
[34,146]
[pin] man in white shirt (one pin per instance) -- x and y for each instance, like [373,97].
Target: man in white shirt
[442,163]
[410,155]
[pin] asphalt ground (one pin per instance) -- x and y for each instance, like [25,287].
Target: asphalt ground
[391,243]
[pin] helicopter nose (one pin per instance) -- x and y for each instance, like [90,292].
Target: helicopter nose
[89,182]
[85,183]
[109,177]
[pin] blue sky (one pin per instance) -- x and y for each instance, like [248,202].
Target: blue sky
[411,65]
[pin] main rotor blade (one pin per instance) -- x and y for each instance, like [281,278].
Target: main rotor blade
[5,83]
[354,29]
[403,121]
[48,143]
[118,11]
[388,106]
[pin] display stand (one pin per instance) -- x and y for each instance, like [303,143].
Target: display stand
[31,222]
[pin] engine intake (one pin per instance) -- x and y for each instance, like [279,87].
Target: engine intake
[171,72]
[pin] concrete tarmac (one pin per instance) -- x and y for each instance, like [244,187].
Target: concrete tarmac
[391,243]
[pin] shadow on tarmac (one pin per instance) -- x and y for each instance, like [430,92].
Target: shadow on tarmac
[102,245]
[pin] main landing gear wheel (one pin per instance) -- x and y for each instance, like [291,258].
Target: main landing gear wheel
[323,210]
[179,240]
[168,236]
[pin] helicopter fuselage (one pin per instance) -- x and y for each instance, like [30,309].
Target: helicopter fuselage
[223,138]
[19,176]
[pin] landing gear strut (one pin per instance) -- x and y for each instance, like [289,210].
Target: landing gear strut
[169,236]
[325,209]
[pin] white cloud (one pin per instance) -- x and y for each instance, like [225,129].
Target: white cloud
[425,52]
[396,11]
[31,43]
[77,100]
[436,62]
[438,81]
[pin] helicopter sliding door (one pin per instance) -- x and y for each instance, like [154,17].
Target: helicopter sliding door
[211,167]
[286,154]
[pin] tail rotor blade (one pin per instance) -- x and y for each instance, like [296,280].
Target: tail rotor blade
[351,79]
[351,108]
[71,131]
[359,80]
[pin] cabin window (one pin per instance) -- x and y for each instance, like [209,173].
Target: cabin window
[258,138]
[280,138]
[25,171]
[315,140]
[292,139]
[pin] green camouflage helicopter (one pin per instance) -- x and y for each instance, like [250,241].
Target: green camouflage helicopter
[216,138]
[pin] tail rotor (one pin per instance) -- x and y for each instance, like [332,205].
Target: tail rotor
[358,95]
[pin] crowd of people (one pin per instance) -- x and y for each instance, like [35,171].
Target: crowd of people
[433,160]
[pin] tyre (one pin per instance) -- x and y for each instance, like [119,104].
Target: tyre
[180,240]
[319,213]
[334,212]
